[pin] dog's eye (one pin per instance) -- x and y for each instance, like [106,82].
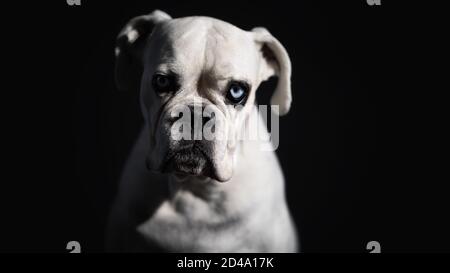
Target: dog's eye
[237,92]
[163,83]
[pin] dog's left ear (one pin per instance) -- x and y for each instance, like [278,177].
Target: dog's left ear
[275,62]
[130,46]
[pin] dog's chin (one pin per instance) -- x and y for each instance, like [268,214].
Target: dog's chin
[189,162]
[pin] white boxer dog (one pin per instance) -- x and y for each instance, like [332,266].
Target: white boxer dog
[196,195]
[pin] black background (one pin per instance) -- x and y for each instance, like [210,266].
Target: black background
[350,169]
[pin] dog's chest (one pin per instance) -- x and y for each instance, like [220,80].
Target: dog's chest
[189,224]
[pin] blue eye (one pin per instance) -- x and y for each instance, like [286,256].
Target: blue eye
[237,92]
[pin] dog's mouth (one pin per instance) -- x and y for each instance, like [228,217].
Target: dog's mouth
[188,160]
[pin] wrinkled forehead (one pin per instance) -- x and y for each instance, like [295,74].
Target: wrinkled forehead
[198,44]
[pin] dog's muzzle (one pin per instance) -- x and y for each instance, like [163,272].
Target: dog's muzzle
[189,158]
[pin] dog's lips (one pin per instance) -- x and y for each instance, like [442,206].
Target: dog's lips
[188,161]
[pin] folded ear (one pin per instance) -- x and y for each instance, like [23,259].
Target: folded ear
[275,62]
[129,48]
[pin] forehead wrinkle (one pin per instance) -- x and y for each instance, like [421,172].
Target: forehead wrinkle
[195,46]
[214,63]
[200,41]
[190,51]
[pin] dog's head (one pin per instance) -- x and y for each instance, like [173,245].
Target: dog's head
[197,70]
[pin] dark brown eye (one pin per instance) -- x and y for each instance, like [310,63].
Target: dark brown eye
[164,83]
[237,92]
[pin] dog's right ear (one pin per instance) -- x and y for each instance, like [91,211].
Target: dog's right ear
[129,48]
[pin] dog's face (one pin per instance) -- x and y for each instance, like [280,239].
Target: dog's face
[197,78]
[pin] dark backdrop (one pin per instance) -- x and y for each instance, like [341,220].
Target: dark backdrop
[342,165]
